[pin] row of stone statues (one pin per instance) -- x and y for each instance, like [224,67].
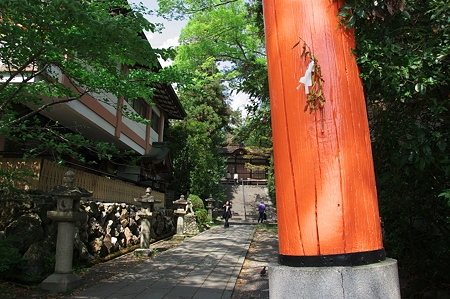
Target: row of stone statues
[67,213]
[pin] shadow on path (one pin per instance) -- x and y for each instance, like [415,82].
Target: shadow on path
[205,266]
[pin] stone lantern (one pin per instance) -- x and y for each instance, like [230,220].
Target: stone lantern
[147,202]
[180,212]
[210,205]
[67,213]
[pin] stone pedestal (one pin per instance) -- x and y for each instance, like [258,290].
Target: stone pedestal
[143,252]
[377,281]
[68,203]
[61,282]
[190,224]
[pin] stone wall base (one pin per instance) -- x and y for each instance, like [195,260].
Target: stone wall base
[379,280]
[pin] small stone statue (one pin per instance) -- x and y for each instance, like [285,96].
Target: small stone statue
[189,209]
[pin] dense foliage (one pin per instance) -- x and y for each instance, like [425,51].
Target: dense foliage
[229,35]
[198,165]
[197,202]
[403,52]
[10,258]
[203,219]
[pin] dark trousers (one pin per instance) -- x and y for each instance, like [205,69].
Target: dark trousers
[226,221]
[261,216]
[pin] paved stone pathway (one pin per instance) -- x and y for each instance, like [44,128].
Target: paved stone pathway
[205,266]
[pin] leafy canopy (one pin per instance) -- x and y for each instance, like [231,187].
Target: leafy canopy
[228,35]
[89,42]
[198,165]
[403,52]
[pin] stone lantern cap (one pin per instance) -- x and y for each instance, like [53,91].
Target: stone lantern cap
[210,199]
[68,189]
[68,200]
[181,202]
[147,197]
[147,202]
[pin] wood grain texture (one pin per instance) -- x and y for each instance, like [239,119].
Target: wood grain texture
[326,193]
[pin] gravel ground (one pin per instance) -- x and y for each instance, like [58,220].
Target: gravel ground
[250,284]
[263,250]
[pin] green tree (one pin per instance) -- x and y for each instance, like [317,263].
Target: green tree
[231,33]
[198,165]
[87,41]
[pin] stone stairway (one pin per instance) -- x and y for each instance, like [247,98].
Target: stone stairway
[246,199]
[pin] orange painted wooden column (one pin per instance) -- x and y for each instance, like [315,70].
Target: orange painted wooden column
[326,195]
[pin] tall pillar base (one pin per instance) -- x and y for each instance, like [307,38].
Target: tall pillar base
[61,282]
[378,280]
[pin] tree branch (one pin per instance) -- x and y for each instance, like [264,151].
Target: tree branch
[242,49]
[192,11]
[21,85]
[43,107]
[23,67]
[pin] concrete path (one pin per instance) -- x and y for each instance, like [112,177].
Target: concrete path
[205,266]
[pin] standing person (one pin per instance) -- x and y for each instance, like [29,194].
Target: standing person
[261,210]
[236,178]
[227,213]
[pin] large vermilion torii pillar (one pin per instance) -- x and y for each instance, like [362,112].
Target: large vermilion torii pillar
[326,195]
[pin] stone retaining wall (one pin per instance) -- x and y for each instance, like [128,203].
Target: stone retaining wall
[109,227]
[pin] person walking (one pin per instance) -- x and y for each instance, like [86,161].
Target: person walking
[262,211]
[227,213]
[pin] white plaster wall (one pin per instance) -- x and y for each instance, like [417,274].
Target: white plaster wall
[154,136]
[125,139]
[137,128]
[109,102]
[92,116]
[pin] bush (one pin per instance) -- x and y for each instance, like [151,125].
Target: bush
[203,219]
[197,202]
[10,258]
